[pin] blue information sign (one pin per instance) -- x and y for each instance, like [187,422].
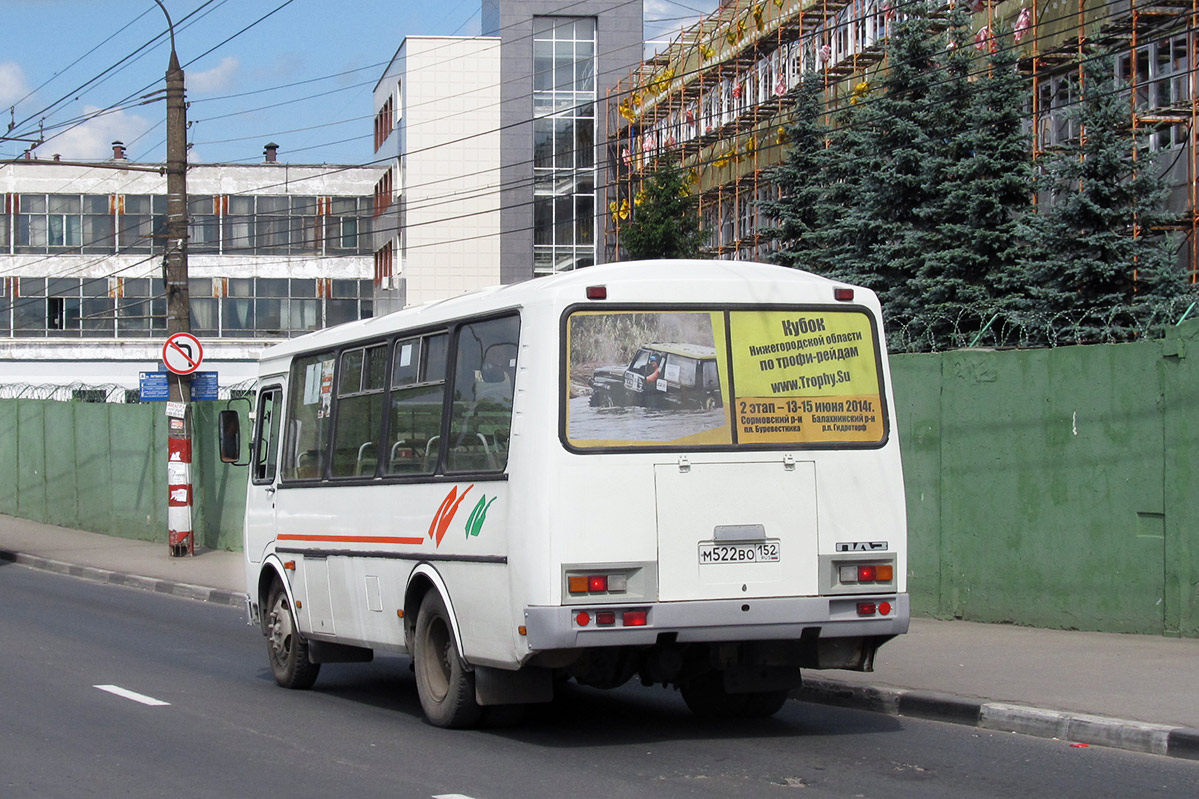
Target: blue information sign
[153,386]
[205,386]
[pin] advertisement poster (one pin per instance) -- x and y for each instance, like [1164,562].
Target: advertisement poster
[638,379]
[805,377]
[646,379]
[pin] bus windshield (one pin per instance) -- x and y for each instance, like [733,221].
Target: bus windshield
[797,376]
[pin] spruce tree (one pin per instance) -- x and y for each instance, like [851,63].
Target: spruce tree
[1098,264]
[665,223]
[799,212]
[900,123]
[979,185]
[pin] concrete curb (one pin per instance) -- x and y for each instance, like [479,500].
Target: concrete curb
[184,590]
[1135,736]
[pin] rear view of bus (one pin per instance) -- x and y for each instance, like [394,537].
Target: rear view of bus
[727,497]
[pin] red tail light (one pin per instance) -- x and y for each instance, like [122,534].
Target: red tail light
[634,618]
[597,582]
[866,608]
[583,619]
[867,574]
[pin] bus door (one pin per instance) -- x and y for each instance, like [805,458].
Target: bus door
[264,473]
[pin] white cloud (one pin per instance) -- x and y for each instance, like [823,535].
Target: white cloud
[12,83]
[94,138]
[215,79]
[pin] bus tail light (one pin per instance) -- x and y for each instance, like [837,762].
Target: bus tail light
[590,583]
[863,574]
[597,292]
[843,294]
[867,608]
[634,618]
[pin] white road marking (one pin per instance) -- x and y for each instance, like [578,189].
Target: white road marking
[127,694]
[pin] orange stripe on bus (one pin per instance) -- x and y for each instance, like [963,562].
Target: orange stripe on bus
[350,539]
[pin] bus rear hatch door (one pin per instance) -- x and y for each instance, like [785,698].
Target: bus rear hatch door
[736,530]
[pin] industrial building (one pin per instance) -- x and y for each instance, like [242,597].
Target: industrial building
[274,250]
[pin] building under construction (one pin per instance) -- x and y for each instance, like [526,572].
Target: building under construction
[719,97]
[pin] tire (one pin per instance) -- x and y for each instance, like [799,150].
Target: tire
[706,697]
[445,687]
[287,650]
[601,398]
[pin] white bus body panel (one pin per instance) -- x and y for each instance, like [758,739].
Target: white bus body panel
[556,507]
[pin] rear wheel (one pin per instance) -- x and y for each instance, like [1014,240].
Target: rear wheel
[445,687]
[706,697]
[287,650]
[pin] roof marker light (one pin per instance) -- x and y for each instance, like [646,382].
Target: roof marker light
[597,292]
[843,294]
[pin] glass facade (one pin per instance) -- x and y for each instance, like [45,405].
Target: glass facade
[564,66]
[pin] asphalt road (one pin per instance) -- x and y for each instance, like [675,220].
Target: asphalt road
[227,730]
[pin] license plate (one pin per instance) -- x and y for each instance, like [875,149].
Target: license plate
[739,552]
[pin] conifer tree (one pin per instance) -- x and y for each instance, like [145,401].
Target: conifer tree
[1095,249]
[978,191]
[665,223]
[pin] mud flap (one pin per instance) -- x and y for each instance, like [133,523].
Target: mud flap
[502,687]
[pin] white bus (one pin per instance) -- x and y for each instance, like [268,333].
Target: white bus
[684,471]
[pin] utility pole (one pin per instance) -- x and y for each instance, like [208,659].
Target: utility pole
[179,434]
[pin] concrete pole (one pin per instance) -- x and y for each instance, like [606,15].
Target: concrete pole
[179,504]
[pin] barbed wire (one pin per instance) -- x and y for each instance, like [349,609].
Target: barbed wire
[995,327]
[103,392]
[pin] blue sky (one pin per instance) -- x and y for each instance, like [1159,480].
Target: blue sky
[301,77]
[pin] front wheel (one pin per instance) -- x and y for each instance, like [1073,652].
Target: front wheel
[445,687]
[706,697]
[287,650]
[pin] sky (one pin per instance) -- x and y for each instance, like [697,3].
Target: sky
[296,72]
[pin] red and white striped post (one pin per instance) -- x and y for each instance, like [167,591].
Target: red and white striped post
[179,497]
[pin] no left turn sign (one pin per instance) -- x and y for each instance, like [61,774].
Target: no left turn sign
[182,353]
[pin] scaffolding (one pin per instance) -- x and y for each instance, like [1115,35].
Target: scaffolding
[719,98]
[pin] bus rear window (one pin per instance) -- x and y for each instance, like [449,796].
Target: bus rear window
[692,379]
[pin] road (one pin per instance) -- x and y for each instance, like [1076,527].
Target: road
[227,730]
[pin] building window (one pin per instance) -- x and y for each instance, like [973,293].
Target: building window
[563,143]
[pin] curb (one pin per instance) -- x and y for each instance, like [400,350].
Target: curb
[1135,736]
[184,590]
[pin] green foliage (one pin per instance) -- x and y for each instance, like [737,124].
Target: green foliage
[665,223]
[921,189]
[1102,197]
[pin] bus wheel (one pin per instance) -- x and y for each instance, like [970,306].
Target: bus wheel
[286,648]
[446,688]
[706,697]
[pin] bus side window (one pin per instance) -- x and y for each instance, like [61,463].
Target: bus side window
[309,402]
[266,436]
[417,395]
[360,384]
[484,386]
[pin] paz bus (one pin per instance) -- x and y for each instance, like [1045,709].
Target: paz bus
[439,482]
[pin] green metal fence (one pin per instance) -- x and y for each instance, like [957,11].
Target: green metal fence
[1052,487]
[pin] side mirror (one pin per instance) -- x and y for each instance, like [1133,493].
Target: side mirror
[229,432]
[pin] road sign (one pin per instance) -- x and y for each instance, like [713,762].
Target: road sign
[153,387]
[182,353]
[205,386]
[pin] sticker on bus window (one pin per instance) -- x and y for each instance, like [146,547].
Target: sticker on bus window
[809,377]
[646,379]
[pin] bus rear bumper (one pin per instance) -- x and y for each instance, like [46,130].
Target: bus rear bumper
[771,619]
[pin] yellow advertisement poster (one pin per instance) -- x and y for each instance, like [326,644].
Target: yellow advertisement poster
[805,377]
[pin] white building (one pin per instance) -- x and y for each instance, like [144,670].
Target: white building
[437,131]
[274,250]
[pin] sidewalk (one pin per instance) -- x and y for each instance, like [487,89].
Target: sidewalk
[1134,692]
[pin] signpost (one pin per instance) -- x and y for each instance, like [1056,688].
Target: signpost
[182,353]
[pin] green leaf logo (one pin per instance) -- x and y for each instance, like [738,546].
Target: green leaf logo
[474,522]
